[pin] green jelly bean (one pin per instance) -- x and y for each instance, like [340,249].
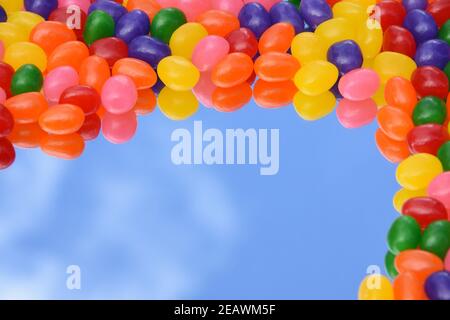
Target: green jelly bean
[444,155]
[444,32]
[389,263]
[436,238]
[99,25]
[404,234]
[165,22]
[28,78]
[430,110]
[296,2]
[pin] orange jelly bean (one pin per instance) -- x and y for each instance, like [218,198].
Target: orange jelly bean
[274,94]
[146,102]
[26,135]
[150,7]
[219,23]
[276,66]
[71,53]
[232,99]
[400,93]
[408,286]
[233,70]
[62,119]
[67,147]
[94,71]
[421,263]
[139,71]
[27,107]
[50,34]
[394,151]
[277,38]
[395,123]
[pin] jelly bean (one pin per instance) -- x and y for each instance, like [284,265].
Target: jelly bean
[430,110]
[447,261]
[307,47]
[165,22]
[148,49]
[11,5]
[22,53]
[316,77]
[50,34]
[444,32]
[139,71]
[26,135]
[399,39]
[287,12]
[418,171]
[99,25]
[193,8]
[177,105]
[433,52]
[90,128]
[276,66]
[112,8]
[3,16]
[447,71]
[150,7]
[111,49]
[11,33]
[232,99]
[315,12]
[94,71]
[219,23]
[403,234]
[146,102]
[2,50]
[391,13]
[400,93]
[389,264]
[312,108]
[255,17]
[119,94]
[425,210]
[436,238]
[186,38]
[267,4]
[378,97]
[351,11]
[6,122]
[274,94]
[132,24]
[359,84]
[370,41]
[243,40]
[415,4]
[427,138]
[58,80]
[7,153]
[277,38]
[204,89]
[71,53]
[408,286]
[392,64]
[2,96]
[335,30]
[418,262]
[28,78]
[82,4]
[67,147]
[234,69]
[437,286]
[178,73]
[355,114]
[444,154]
[439,189]
[82,96]
[62,119]
[404,195]
[25,20]
[375,287]
[66,17]
[27,107]
[346,56]
[395,123]
[439,9]
[421,24]
[119,128]
[209,52]
[231,6]
[394,151]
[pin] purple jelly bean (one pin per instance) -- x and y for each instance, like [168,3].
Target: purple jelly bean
[148,49]
[133,24]
[255,17]
[434,52]
[437,286]
[345,55]
[415,4]
[159,85]
[115,10]
[315,11]
[421,24]
[335,90]
[3,16]
[287,12]
[41,7]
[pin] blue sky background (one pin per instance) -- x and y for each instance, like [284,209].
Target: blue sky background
[140,227]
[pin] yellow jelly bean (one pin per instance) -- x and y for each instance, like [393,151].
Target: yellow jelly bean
[26,20]
[351,11]
[378,97]
[417,171]
[363,3]
[316,77]
[392,64]
[21,53]
[376,287]
[11,33]
[185,38]
[11,5]
[177,105]
[313,108]
[335,30]
[178,73]
[403,195]
[370,40]
[306,47]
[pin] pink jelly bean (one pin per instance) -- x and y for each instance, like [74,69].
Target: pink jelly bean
[204,89]
[439,189]
[193,8]
[266,3]
[119,94]
[359,84]
[209,51]
[58,80]
[355,114]
[83,4]
[119,128]
[232,6]
[2,96]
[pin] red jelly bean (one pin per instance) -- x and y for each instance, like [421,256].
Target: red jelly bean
[392,13]
[427,138]
[111,49]
[63,15]
[243,40]
[91,127]
[7,153]
[6,121]
[440,10]
[425,210]
[6,74]
[430,81]
[399,39]
[85,97]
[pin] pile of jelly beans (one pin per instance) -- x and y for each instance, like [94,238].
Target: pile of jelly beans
[71,69]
